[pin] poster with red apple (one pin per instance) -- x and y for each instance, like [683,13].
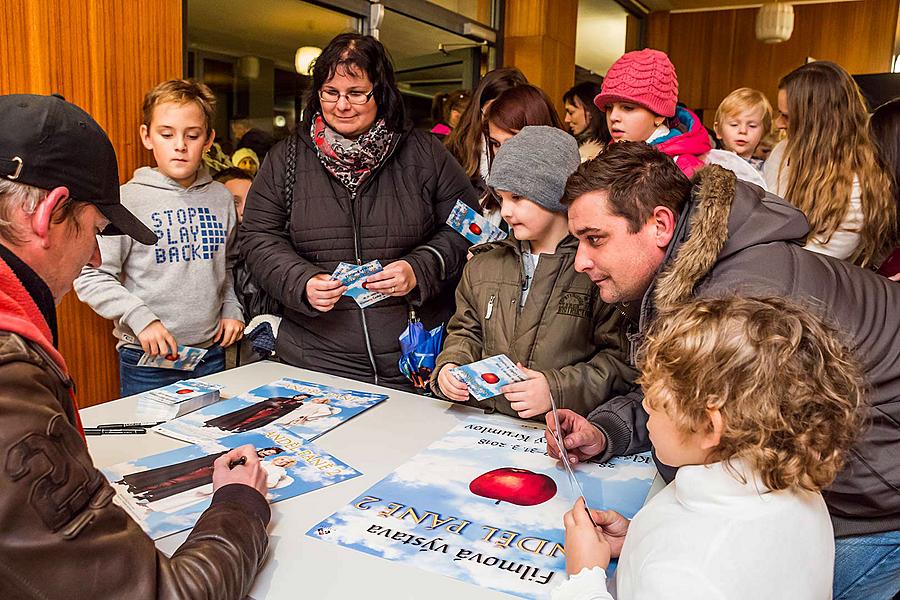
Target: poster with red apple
[484,504]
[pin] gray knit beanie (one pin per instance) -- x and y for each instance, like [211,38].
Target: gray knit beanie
[535,164]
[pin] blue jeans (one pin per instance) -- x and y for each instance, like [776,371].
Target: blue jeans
[867,567]
[134,379]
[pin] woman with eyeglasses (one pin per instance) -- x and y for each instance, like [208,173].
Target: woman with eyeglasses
[366,186]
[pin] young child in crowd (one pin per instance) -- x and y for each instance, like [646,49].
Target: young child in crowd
[522,297]
[246,160]
[742,120]
[237,181]
[179,291]
[756,401]
[640,98]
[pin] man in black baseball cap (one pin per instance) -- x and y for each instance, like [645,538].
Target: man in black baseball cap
[60,533]
[46,142]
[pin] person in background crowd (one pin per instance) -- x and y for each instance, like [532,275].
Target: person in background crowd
[757,402]
[522,298]
[61,534]
[246,160]
[237,181]
[884,126]
[765,146]
[586,122]
[467,141]
[827,167]
[257,140]
[366,186]
[743,119]
[639,96]
[446,110]
[505,116]
[146,290]
[650,239]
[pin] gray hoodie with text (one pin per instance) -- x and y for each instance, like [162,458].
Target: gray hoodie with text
[184,280]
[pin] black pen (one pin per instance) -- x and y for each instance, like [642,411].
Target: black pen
[237,462]
[128,425]
[98,431]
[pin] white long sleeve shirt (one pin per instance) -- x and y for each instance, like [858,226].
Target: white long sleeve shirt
[707,536]
[846,238]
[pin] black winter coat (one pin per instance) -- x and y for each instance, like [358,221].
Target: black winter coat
[399,212]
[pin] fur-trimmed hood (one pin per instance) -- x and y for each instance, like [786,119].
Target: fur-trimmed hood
[722,217]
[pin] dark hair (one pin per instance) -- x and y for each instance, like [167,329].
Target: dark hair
[232,173]
[352,52]
[464,142]
[520,107]
[884,125]
[585,92]
[637,178]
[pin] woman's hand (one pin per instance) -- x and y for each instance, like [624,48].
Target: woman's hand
[586,546]
[323,292]
[451,387]
[396,279]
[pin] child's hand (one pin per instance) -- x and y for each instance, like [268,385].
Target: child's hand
[451,387]
[586,546]
[156,340]
[614,527]
[230,331]
[323,292]
[531,397]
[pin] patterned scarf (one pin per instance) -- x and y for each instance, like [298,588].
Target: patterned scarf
[351,161]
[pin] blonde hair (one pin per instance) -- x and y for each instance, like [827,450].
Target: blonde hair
[828,145]
[743,99]
[789,391]
[181,91]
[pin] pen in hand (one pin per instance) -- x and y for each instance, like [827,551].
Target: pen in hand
[116,431]
[237,462]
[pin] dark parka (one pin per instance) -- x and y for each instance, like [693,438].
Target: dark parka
[564,330]
[399,212]
[734,238]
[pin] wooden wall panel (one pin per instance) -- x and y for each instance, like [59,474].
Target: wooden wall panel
[715,52]
[539,39]
[102,55]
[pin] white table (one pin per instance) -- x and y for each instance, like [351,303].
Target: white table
[376,442]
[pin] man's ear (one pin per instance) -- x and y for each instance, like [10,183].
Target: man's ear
[664,220]
[712,437]
[43,214]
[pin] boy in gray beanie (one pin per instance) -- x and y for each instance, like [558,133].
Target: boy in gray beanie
[522,297]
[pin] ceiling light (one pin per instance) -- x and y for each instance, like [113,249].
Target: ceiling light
[305,58]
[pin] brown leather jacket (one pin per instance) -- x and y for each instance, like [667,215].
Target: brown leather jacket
[60,534]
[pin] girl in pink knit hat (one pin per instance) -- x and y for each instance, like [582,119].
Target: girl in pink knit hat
[640,96]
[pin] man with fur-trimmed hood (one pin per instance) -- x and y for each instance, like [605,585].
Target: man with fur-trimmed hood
[650,239]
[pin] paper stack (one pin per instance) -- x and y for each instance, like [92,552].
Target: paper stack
[176,399]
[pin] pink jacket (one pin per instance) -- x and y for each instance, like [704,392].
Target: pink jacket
[686,148]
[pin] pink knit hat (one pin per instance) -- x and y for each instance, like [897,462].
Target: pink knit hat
[644,77]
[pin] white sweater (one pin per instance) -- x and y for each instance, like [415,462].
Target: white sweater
[845,239]
[707,536]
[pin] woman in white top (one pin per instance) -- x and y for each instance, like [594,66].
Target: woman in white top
[756,402]
[827,166]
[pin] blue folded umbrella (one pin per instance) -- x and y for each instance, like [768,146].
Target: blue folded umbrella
[418,351]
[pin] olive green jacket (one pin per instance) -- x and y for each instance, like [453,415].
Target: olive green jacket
[564,330]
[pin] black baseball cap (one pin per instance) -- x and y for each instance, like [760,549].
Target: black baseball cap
[47,142]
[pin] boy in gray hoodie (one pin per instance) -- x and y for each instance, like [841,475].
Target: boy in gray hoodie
[179,291]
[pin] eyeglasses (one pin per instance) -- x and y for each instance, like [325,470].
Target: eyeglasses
[356,98]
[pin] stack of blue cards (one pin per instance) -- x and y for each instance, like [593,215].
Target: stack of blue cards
[468,223]
[353,276]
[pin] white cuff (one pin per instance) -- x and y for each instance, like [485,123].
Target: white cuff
[588,584]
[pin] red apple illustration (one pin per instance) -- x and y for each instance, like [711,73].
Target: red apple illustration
[184,391]
[172,356]
[516,486]
[474,228]
[490,378]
